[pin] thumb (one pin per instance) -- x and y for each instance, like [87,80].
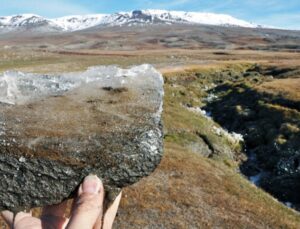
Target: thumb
[88,206]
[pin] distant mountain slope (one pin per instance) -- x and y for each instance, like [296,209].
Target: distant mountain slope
[136,17]
[79,22]
[27,22]
[163,16]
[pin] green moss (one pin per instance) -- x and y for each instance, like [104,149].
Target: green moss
[182,139]
[183,126]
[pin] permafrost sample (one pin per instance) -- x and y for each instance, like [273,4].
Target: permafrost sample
[56,129]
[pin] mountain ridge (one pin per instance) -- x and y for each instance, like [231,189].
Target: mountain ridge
[133,18]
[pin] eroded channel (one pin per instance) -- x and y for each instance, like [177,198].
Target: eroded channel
[263,105]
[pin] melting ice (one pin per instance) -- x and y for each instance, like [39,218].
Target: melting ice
[18,88]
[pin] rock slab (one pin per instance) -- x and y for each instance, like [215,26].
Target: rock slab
[57,129]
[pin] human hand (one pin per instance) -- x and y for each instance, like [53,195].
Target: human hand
[87,211]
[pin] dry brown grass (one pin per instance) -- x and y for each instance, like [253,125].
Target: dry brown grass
[189,191]
[167,60]
[288,88]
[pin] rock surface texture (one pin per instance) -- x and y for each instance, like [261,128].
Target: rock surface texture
[56,129]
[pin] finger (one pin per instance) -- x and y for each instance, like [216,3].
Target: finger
[111,213]
[25,221]
[21,215]
[88,206]
[8,216]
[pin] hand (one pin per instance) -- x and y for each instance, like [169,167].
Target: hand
[87,211]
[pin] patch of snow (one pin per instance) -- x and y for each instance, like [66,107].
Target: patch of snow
[288,204]
[209,87]
[234,137]
[238,137]
[79,22]
[211,97]
[256,178]
[199,111]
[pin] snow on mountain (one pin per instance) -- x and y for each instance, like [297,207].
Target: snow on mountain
[170,17]
[136,17]
[201,18]
[19,20]
[23,20]
[79,22]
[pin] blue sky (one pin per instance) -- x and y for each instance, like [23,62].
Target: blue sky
[279,13]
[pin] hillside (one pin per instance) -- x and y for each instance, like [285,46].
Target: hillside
[193,189]
[203,180]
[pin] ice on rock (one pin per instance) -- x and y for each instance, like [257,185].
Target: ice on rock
[105,121]
[17,87]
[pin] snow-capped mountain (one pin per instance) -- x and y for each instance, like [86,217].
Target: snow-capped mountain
[170,17]
[79,22]
[136,17]
[26,21]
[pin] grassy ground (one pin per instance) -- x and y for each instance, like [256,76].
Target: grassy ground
[167,60]
[191,191]
[288,88]
[188,189]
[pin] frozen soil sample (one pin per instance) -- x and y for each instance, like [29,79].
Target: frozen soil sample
[56,129]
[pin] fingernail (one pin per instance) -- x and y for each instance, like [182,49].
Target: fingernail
[91,184]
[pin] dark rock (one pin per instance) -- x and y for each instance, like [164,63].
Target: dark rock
[55,130]
[138,14]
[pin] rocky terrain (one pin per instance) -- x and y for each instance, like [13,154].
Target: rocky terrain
[231,118]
